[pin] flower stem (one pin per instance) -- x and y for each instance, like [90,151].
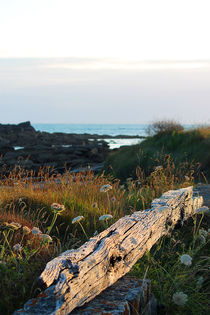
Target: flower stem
[83,230]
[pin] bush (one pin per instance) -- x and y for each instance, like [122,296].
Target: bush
[164,127]
[191,147]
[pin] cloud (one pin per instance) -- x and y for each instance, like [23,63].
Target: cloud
[33,90]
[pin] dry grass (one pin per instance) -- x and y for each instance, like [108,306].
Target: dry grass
[26,200]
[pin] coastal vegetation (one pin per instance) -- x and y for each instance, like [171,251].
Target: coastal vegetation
[44,214]
[185,147]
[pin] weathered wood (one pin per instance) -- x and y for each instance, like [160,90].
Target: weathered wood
[77,276]
[127,296]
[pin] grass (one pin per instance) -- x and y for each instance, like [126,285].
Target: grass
[26,201]
[162,265]
[184,147]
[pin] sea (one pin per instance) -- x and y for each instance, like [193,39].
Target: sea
[103,129]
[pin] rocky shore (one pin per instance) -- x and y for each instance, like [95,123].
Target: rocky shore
[24,146]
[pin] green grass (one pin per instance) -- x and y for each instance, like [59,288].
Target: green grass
[191,147]
[27,202]
[162,265]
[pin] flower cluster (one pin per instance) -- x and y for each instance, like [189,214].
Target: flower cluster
[14,225]
[57,207]
[158,168]
[105,188]
[105,217]
[45,238]
[26,230]
[186,260]
[36,231]
[204,210]
[17,247]
[180,298]
[77,219]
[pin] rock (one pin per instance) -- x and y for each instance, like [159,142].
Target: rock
[42,148]
[10,155]
[4,142]
[28,164]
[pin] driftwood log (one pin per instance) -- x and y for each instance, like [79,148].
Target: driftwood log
[77,276]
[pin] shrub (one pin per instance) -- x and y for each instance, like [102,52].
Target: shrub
[164,127]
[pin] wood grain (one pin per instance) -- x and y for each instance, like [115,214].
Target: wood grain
[77,276]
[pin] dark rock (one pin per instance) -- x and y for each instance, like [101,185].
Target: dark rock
[45,149]
[28,164]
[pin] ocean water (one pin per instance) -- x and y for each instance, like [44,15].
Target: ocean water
[102,129]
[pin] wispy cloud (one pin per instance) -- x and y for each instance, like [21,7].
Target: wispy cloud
[103,64]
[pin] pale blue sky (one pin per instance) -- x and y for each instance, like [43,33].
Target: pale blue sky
[81,91]
[95,68]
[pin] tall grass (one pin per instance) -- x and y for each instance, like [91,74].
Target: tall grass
[25,201]
[192,146]
[168,275]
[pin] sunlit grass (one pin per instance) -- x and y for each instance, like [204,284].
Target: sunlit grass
[55,204]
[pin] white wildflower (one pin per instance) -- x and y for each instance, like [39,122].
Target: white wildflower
[14,225]
[77,219]
[26,230]
[158,168]
[200,281]
[105,217]
[45,238]
[202,239]
[17,247]
[187,178]
[203,209]
[2,262]
[57,207]
[105,188]
[186,260]
[36,231]
[203,232]
[180,298]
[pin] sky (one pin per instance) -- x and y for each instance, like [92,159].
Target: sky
[104,61]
